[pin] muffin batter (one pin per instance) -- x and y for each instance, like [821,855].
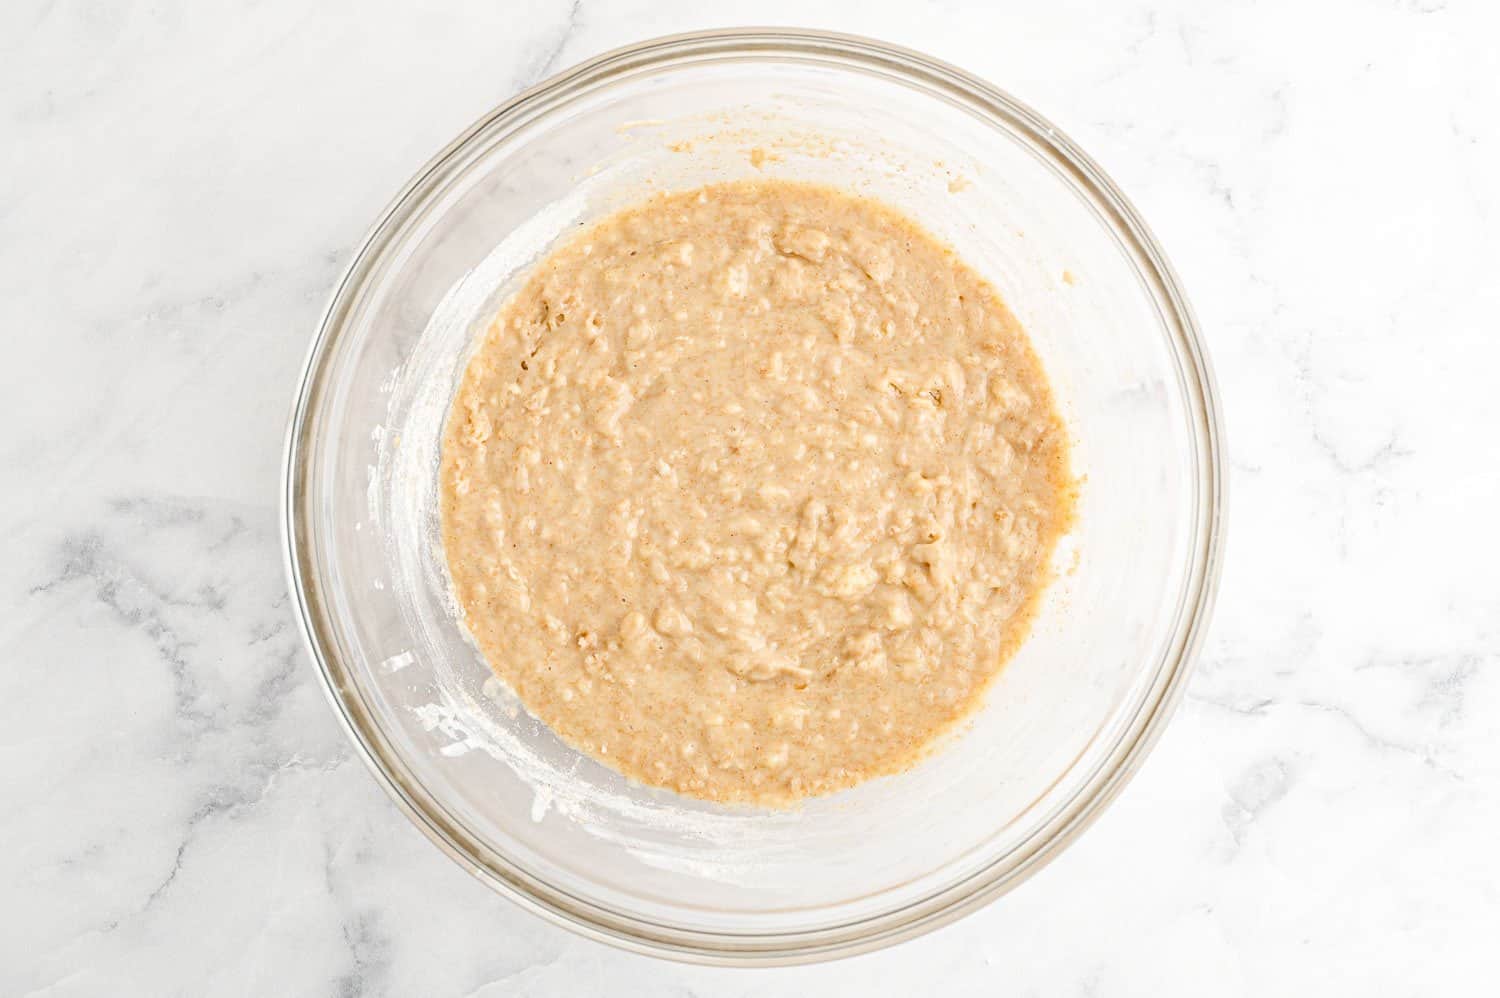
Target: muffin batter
[750,490]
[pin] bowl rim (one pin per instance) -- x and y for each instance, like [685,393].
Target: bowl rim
[1068,821]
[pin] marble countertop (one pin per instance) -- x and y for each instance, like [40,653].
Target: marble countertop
[180,185]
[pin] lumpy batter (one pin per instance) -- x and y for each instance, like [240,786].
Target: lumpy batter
[750,490]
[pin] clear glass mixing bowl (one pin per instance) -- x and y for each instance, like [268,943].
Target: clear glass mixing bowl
[1067,720]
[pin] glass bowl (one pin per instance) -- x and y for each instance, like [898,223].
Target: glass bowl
[1067,720]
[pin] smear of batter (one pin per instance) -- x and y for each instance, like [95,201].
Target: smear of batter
[750,490]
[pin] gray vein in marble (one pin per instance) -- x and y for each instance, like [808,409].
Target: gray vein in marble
[1253,793]
[1388,453]
[369,948]
[1379,741]
[1251,708]
[553,51]
[137,604]
[1445,678]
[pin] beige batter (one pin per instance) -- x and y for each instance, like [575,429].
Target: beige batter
[749,491]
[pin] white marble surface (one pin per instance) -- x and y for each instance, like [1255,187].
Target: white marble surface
[180,184]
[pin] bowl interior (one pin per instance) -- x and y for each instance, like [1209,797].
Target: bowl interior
[526,810]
